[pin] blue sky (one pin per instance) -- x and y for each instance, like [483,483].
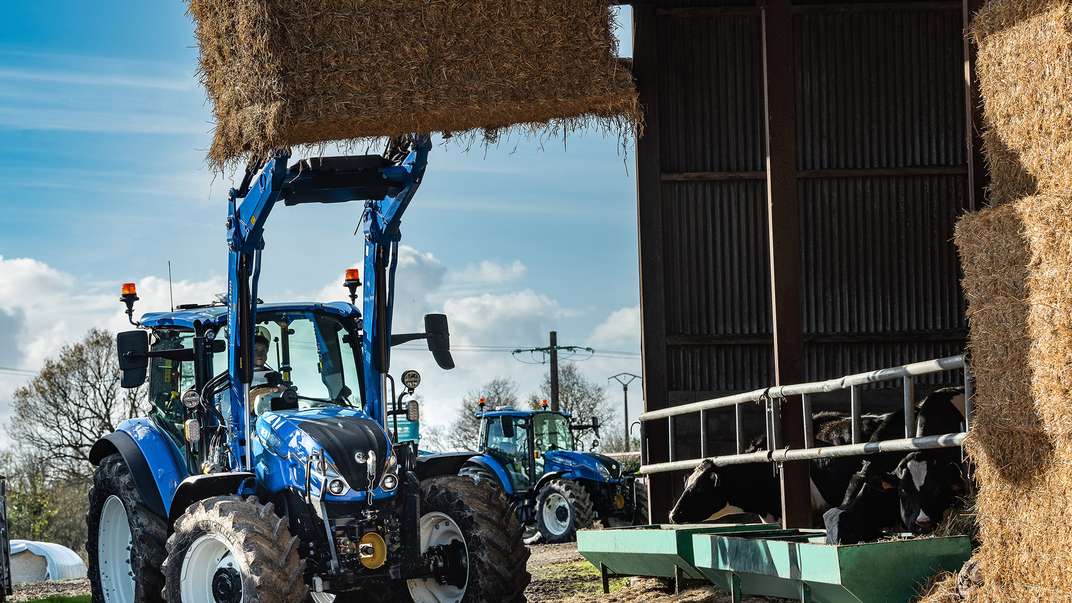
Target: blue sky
[103,133]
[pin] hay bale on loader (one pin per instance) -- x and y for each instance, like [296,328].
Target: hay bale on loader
[284,73]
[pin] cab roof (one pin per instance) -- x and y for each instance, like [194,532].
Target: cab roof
[216,316]
[518,412]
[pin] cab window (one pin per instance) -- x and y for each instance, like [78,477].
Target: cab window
[551,431]
[316,354]
[508,442]
[168,379]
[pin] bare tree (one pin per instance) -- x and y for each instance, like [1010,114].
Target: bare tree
[465,430]
[73,401]
[579,396]
[434,438]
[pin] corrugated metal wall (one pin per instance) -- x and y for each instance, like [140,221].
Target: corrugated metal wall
[881,175]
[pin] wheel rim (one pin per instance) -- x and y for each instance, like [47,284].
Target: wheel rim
[557,514]
[439,530]
[210,572]
[113,552]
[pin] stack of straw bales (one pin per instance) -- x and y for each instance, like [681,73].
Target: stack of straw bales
[283,73]
[1017,259]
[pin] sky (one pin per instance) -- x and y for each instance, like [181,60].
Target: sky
[103,134]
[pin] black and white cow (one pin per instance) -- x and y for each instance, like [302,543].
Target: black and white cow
[755,488]
[912,491]
[932,482]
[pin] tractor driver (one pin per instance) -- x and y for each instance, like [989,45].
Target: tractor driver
[260,356]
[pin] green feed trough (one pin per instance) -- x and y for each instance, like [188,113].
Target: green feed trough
[767,561]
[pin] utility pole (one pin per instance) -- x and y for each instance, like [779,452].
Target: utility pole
[554,371]
[551,352]
[625,379]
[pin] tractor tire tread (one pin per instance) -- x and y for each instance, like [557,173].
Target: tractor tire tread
[580,501]
[276,572]
[147,529]
[498,558]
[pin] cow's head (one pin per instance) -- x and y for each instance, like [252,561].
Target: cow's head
[703,495]
[939,413]
[930,485]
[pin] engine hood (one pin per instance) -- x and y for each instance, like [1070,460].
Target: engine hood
[591,460]
[338,433]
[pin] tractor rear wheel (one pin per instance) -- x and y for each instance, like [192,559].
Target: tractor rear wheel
[563,506]
[469,528]
[232,550]
[125,540]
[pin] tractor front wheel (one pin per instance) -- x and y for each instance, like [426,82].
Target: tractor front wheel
[125,539]
[467,527]
[562,507]
[232,550]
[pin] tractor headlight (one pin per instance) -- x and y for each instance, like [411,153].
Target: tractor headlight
[604,472]
[331,480]
[336,486]
[389,481]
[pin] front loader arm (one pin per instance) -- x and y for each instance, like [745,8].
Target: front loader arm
[381,221]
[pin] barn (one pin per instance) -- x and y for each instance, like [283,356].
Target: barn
[801,170]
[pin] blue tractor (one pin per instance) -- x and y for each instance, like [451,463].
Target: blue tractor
[271,467]
[531,455]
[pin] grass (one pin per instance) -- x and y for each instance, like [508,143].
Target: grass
[572,578]
[57,599]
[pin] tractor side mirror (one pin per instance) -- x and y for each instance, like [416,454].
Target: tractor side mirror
[133,349]
[595,426]
[435,325]
[508,427]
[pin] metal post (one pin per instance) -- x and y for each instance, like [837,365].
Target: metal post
[783,230]
[625,379]
[909,390]
[703,434]
[854,408]
[969,393]
[670,438]
[809,426]
[554,371]
[737,426]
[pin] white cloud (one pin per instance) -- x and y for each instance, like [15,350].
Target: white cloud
[489,273]
[619,331]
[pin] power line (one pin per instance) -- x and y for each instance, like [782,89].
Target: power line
[17,371]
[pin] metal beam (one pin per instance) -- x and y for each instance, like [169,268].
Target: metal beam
[646,70]
[783,219]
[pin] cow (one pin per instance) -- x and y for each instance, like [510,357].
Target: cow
[932,482]
[756,490]
[904,491]
[870,505]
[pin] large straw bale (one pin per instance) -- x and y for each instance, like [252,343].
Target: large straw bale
[1017,261]
[283,73]
[1025,76]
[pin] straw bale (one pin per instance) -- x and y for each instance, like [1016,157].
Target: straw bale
[1017,261]
[283,73]
[942,589]
[1025,75]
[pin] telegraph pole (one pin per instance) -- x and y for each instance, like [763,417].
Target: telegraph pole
[551,353]
[554,371]
[625,379]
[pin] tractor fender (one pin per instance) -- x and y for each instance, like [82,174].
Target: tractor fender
[442,463]
[496,468]
[200,487]
[546,477]
[150,457]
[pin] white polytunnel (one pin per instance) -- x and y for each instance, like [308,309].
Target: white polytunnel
[42,561]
